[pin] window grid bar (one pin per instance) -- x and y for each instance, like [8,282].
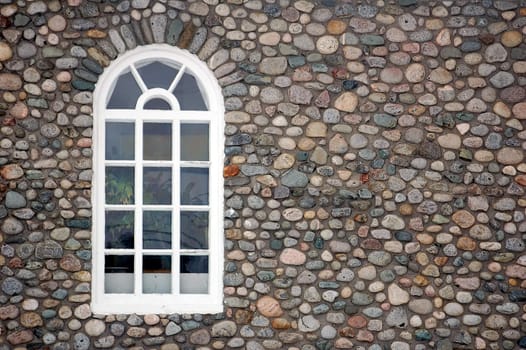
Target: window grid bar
[138,78]
[194,164]
[120,163]
[177,78]
[176,222]
[139,206]
[188,117]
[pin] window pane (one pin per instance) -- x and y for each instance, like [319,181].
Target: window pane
[157,230]
[157,141]
[188,94]
[156,276]
[119,185]
[125,93]
[194,142]
[157,103]
[118,277]
[194,274]
[194,230]
[157,75]
[194,186]
[119,229]
[120,141]
[157,186]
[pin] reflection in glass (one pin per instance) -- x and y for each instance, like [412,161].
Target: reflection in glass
[118,276]
[194,230]
[119,229]
[194,186]
[156,276]
[119,185]
[157,103]
[120,141]
[125,93]
[194,274]
[157,141]
[194,142]
[157,230]
[157,75]
[157,186]
[189,95]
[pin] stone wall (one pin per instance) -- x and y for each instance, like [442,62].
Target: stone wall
[374,172]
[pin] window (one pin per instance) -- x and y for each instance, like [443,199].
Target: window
[157,240]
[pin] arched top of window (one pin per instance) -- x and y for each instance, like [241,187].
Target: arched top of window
[169,79]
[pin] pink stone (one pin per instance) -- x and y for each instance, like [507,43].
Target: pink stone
[70,263]
[11,171]
[9,81]
[519,110]
[391,75]
[516,271]
[299,95]
[20,337]
[269,307]
[291,256]
[411,47]
[8,312]
[323,99]
[469,283]
[364,335]
[19,110]
[84,142]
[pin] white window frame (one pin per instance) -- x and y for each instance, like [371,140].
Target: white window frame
[175,302]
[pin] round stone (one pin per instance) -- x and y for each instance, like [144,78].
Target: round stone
[57,23]
[94,327]
[391,75]
[451,141]
[511,38]
[269,307]
[510,156]
[415,73]
[327,45]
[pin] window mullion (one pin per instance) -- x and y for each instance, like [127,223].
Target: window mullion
[176,127]
[139,205]
[138,78]
[177,78]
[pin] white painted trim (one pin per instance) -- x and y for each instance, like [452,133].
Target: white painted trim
[186,62]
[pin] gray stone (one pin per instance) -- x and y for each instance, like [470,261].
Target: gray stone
[14,200]
[224,329]
[12,286]
[81,341]
[294,178]
[397,317]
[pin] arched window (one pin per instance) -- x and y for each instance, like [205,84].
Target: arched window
[157,189]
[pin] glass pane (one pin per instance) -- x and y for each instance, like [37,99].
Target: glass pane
[120,141]
[194,274]
[194,230]
[119,185]
[194,186]
[157,187]
[119,229]
[157,230]
[125,93]
[118,276]
[194,142]
[188,94]
[157,75]
[157,277]
[157,141]
[157,103]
